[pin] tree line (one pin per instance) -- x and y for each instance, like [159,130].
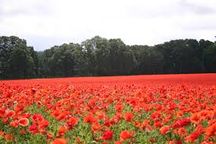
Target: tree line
[103,57]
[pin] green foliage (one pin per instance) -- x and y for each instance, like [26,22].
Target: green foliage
[210,58]
[100,56]
[16,59]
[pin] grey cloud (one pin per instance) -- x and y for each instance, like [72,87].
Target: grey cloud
[176,8]
[201,25]
[29,10]
[196,8]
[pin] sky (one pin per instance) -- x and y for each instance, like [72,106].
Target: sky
[45,23]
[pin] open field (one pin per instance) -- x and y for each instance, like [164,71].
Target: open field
[134,109]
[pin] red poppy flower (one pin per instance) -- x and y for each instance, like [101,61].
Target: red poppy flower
[62,130]
[2,133]
[14,124]
[37,118]
[118,107]
[164,130]
[33,129]
[26,115]
[95,127]
[195,118]
[126,135]
[211,130]
[193,136]
[8,137]
[59,141]
[128,116]
[157,124]
[43,124]
[118,142]
[181,123]
[72,122]
[175,142]
[182,132]
[10,113]
[23,122]
[107,135]
[89,119]
[49,135]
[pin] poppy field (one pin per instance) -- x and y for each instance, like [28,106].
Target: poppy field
[161,109]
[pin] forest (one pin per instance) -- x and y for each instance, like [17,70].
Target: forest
[99,56]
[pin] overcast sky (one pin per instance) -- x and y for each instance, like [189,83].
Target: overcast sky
[45,23]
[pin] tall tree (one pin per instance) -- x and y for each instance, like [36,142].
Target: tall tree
[16,59]
[210,58]
[121,58]
[60,61]
[204,45]
[89,47]
[20,64]
[101,56]
[180,56]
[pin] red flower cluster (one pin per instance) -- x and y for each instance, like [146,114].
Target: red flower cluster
[107,135]
[132,109]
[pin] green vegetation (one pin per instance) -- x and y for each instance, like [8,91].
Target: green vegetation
[100,56]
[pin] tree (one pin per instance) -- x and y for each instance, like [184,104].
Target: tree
[180,56]
[97,52]
[204,45]
[89,47]
[101,56]
[20,64]
[121,58]
[61,61]
[16,59]
[210,58]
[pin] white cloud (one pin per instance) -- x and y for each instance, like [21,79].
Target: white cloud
[53,22]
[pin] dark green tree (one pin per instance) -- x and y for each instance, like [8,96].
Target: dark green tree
[210,58]
[61,61]
[204,45]
[180,56]
[89,47]
[16,59]
[148,60]
[101,56]
[121,58]
[20,64]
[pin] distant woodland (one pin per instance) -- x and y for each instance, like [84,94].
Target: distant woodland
[104,57]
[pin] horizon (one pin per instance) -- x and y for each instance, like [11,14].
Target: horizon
[141,22]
